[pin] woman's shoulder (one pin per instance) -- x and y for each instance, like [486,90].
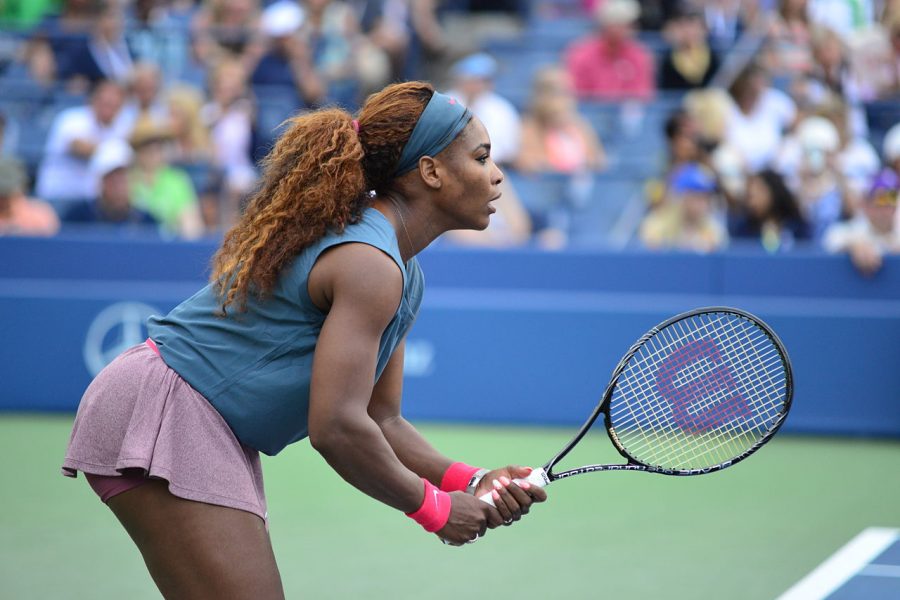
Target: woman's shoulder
[372,229]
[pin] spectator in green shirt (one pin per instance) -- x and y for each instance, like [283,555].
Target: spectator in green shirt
[157,187]
[26,14]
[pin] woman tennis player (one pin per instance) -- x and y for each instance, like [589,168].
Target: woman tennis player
[300,333]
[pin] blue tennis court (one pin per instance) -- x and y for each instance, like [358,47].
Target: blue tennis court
[866,568]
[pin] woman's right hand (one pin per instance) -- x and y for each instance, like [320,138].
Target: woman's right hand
[469,519]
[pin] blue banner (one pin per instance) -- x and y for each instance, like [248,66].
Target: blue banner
[503,337]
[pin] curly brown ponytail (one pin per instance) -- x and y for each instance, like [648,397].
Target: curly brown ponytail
[315,179]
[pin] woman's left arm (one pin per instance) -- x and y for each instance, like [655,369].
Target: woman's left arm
[411,448]
[420,457]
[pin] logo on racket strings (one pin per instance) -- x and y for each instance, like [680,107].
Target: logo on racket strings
[701,387]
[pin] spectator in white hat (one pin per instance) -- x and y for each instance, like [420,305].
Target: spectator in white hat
[473,85]
[287,61]
[856,158]
[820,184]
[110,164]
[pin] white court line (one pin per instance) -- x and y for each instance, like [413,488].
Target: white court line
[843,564]
[881,571]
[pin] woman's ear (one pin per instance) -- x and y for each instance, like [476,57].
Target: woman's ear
[428,170]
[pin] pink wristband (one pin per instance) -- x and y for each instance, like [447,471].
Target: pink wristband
[435,509]
[457,477]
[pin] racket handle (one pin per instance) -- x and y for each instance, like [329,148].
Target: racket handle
[537,477]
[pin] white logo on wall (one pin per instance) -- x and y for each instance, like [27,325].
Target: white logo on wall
[418,359]
[117,328]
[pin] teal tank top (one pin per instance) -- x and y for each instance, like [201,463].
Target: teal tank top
[255,367]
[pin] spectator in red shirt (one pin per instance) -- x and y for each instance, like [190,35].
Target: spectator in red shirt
[612,65]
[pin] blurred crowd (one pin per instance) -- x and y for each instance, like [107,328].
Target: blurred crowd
[772,123]
[800,142]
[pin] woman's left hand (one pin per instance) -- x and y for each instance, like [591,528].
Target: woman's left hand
[511,499]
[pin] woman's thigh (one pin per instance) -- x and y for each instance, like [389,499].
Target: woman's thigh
[196,550]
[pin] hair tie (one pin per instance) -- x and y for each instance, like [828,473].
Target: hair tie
[356,125]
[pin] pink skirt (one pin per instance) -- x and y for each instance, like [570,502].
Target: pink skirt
[140,414]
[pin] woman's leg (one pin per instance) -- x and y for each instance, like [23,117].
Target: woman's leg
[196,550]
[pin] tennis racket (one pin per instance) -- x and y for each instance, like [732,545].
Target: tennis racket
[697,393]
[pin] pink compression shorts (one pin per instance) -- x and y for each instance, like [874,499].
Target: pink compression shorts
[108,486]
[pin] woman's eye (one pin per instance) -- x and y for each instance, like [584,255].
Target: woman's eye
[483,159]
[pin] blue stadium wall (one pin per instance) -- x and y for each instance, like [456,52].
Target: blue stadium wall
[503,337]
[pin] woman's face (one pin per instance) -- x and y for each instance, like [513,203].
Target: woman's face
[691,31]
[237,12]
[106,102]
[794,8]
[110,24]
[695,206]
[115,192]
[150,156]
[830,53]
[881,214]
[471,179]
[560,107]
[41,62]
[178,120]
[229,85]
[759,197]
[684,145]
[554,102]
[317,5]
[145,86]
[756,85]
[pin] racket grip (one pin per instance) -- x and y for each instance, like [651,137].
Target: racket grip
[537,477]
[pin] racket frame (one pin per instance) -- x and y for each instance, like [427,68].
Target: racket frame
[603,407]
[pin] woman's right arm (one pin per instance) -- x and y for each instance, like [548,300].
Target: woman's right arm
[362,288]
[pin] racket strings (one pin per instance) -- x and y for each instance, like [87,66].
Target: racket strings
[720,447]
[737,435]
[664,436]
[725,397]
[708,443]
[689,451]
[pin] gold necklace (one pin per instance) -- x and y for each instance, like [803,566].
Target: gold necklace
[402,222]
